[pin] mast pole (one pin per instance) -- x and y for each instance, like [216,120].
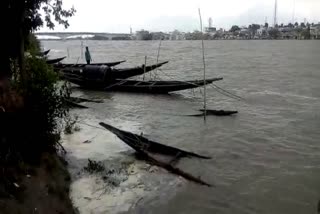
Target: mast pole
[204,71]
[144,67]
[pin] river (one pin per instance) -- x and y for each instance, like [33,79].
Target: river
[264,160]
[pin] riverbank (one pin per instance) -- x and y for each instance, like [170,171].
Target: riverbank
[37,188]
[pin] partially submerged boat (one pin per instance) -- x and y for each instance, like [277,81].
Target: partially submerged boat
[159,154]
[53,61]
[82,65]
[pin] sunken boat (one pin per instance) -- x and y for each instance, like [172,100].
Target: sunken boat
[161,155]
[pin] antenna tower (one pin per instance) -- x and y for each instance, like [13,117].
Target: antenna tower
[275,18]
[210,22]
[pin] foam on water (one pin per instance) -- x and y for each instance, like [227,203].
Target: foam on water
[91,193]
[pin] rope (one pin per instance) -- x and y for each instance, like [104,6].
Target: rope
[180,80]
[91,125]
[226,93]
[118,83]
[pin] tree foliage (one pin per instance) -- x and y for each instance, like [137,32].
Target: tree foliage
[274,33]
[25,17]
[234,28]
[34,126]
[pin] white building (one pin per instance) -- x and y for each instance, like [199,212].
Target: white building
[315,31]
[177,35]
[262,31]
[211,30]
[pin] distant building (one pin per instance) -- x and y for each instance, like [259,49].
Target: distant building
[211,30]
[143,35]
[177,35]
[315,31]
[262,32]
[159,36]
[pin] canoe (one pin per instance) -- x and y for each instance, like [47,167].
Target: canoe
[101,76]
[157,87]
[44,53]
[159,154]
[72,104]
[82,100]
[81,65]
[136,86]
[219,112]
[53,61]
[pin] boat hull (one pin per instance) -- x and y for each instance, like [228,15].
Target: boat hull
[53,61]
[158,154]
[95,77]
[158,87]
[81,65]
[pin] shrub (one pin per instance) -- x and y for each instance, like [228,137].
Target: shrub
[70,124]
[94,166]
[36,127]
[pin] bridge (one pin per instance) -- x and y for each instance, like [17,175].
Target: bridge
[79,35]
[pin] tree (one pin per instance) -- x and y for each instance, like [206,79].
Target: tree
[296,24]
[266,25]
[274,33]
[282,25]
[306,33]
[253,28]
[25,17]
[290,25]
[32,82]
[234,28]
[303,25]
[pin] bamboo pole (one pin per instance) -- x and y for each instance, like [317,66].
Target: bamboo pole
[204,71]
[144,67]
[81,51]
[158,55]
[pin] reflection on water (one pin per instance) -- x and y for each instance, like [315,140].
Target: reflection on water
[265,159]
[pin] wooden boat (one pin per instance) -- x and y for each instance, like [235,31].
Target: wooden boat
[153,87]
[81,65]
[218,112]
[72,104]
[159,154]
[105,73]
[157,87]
[44,53]
[82,100]
[53,61]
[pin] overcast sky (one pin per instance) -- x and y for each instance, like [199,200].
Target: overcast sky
[166,15]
